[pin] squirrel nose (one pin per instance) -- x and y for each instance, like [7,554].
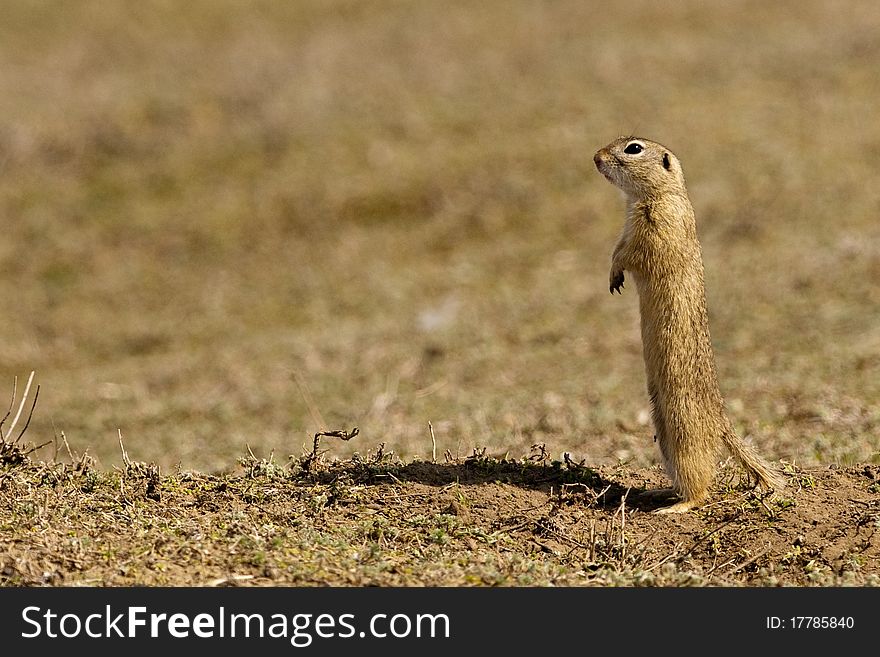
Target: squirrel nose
[597,159]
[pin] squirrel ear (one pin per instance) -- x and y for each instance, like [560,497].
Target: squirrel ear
[666,163]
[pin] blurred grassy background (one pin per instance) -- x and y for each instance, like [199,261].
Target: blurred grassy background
[395,202]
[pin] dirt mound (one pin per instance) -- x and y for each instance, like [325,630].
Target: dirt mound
[377,521]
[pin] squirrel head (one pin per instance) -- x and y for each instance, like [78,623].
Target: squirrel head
[643,169]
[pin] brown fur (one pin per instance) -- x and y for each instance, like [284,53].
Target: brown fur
[659,248]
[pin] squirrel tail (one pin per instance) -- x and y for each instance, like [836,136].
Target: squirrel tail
[764,474]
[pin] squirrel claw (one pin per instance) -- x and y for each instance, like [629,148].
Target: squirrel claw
[616,283]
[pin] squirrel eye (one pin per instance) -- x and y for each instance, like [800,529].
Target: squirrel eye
[633,148]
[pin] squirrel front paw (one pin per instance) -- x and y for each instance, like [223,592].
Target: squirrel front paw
[616,279]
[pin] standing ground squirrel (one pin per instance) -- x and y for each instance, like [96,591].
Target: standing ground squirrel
[659,247]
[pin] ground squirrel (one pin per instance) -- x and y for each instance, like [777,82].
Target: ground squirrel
[659,247]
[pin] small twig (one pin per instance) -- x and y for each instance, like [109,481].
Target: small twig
[342,434]
[224,581]
[10,451]
[390,476]
[542,453]
[21,405]
[662,561]
[764,504]
[514,528]
[593,540]
[623,524]
[30,415]
[479,453]
[125,460]
[745,564]
[67,446]
[720,565]
[703,538]
[35,448]
[433,443]
[607,488]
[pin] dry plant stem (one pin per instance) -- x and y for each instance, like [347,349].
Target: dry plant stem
[622,511]
[67,446]
[749,562]
[20,406]
[24,397]
[593,540]
[125,460]
[9,450]
[342,434]
[662,561]
[228,581]
[28,421]
[542,454]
